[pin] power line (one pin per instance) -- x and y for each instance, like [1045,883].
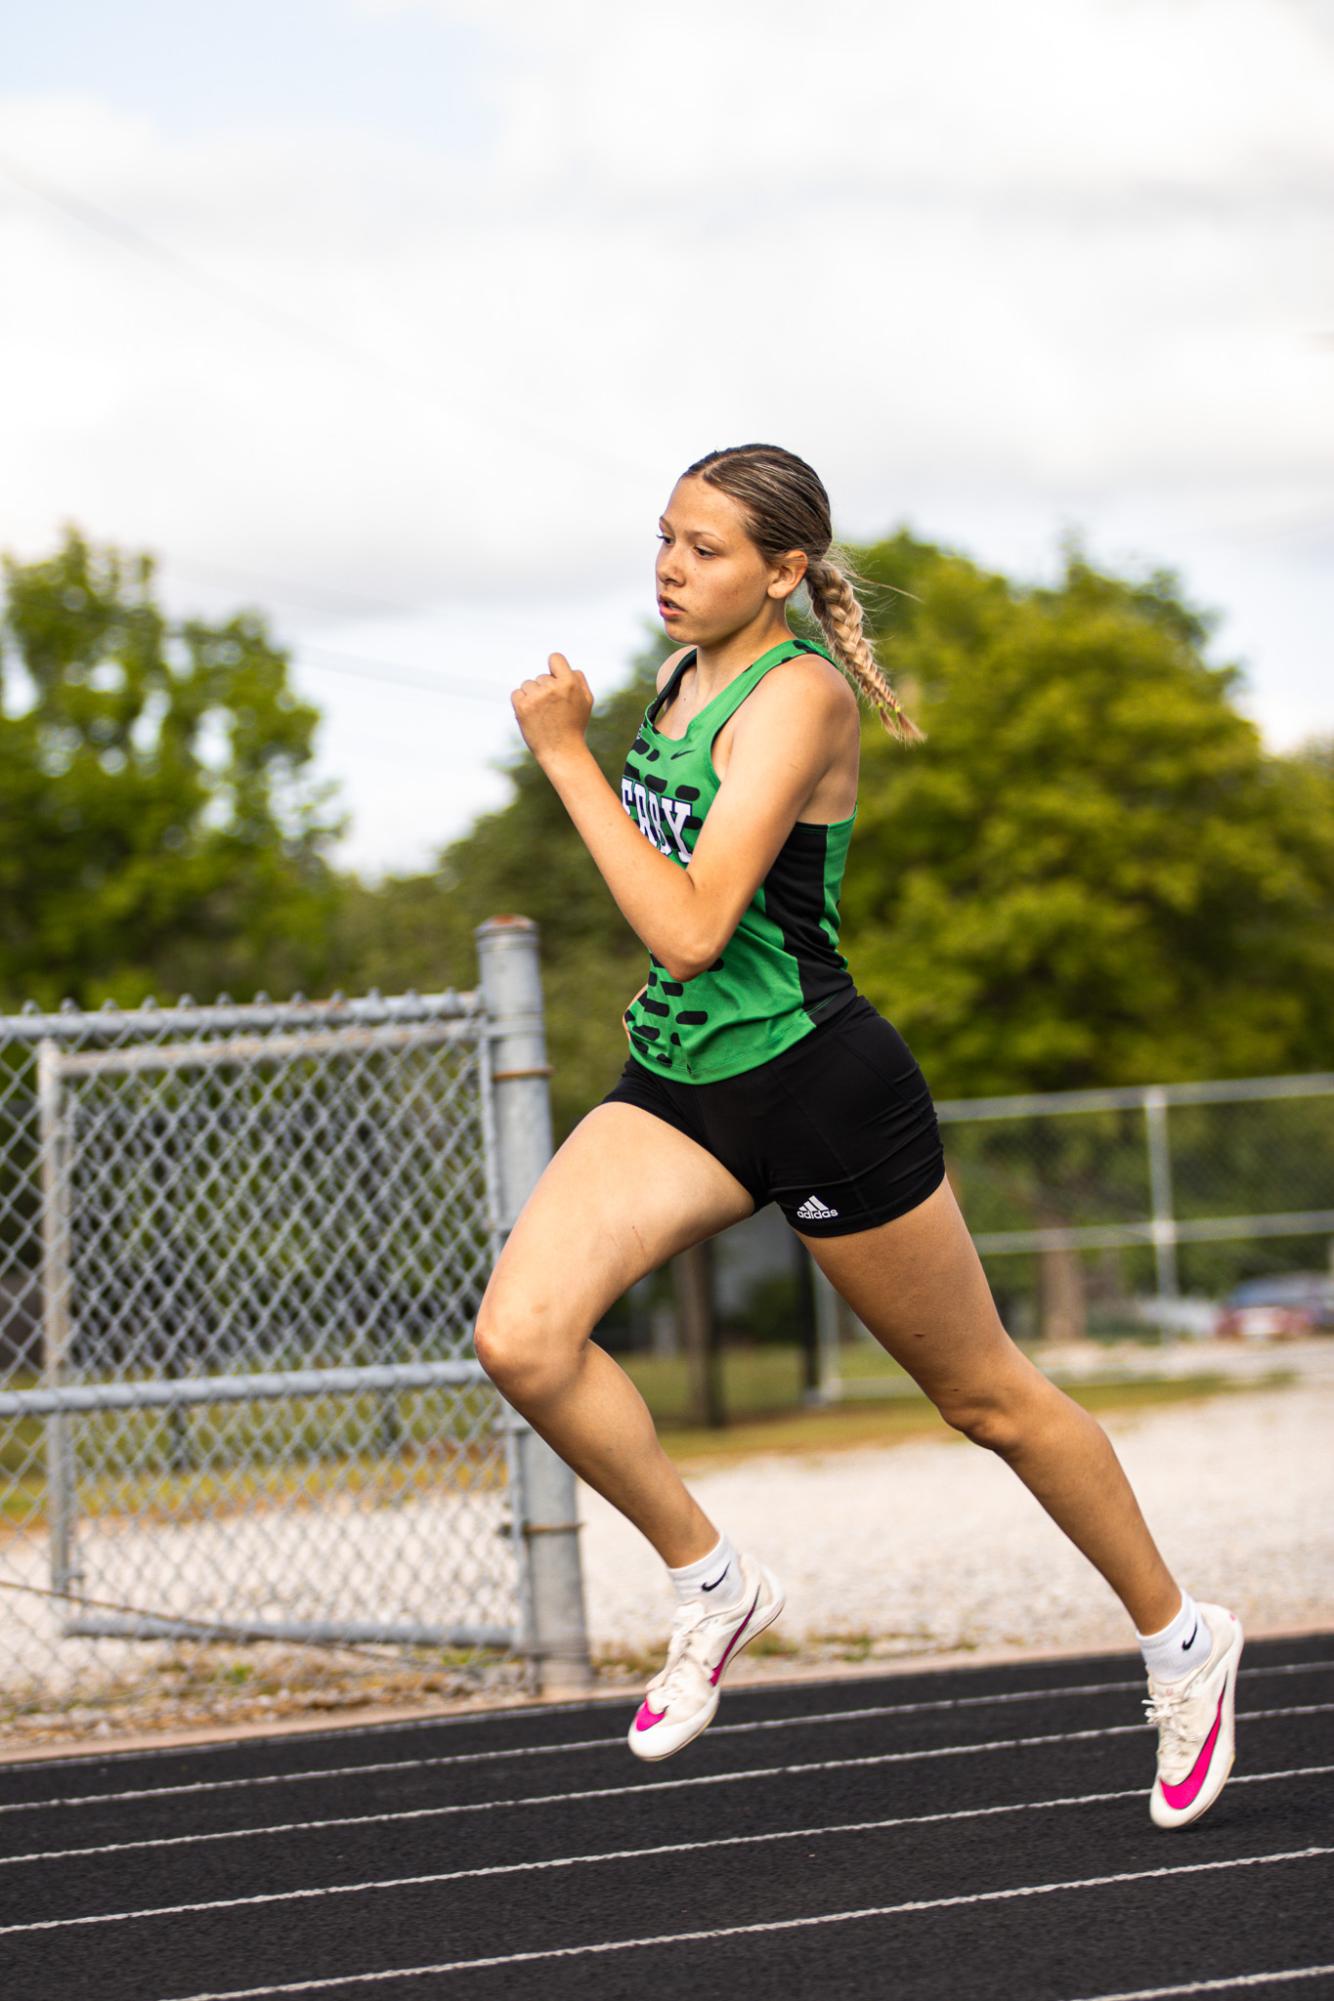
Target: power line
[316,659]
[313,657]
[359,666]
[277,319]
[317,597]
[364,665]
[127,237]
[333,660]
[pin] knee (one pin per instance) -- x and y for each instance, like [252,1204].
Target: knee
[1006,1414]
[524,1355]
[992,1422]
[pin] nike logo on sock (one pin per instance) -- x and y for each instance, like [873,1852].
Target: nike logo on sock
[718,1579]
[1186,1645]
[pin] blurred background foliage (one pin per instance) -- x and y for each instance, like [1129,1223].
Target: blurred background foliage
[1093,873]
[159,833]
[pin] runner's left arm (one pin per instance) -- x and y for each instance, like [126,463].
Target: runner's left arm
[684,916]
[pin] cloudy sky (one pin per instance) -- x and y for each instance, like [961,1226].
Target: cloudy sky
[398,317]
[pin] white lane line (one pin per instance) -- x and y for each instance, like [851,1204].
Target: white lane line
[620,1855]
[484,1713]
[564,1862]
[605,1743]
[1227,1986]
[519,1714]
[378,1769]
[640,1786]
[755,1930]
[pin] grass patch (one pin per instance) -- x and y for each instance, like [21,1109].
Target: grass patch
[204,1461]
[755,1380]
[218,1490]
[243,1458]
[766,1383]
[898,1419]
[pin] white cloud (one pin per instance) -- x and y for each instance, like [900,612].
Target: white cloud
[992,270]
[1110,96]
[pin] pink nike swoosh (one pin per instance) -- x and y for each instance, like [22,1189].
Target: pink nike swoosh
[646,1717]
[1182,1795]
[735,1637]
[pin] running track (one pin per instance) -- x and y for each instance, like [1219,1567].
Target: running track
[933,1837]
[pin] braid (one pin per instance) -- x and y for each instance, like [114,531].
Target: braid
[839,615]
[787,508]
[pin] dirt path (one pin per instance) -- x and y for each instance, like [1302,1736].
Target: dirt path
[932,1547]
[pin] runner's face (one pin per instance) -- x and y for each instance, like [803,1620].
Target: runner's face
[711,579]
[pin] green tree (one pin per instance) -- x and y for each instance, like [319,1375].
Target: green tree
[404,933]
[1093,873]
[159,831]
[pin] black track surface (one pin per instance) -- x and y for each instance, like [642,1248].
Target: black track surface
[933,1799]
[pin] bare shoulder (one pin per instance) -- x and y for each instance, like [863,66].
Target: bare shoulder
[803,717]
[806,687]
[670,665]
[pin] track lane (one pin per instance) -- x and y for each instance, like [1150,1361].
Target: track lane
[511,1733]
[987,1854]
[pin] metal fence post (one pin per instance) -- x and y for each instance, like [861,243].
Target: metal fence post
[56,1311]
[511,989]
[827,1332]
[1160,1189]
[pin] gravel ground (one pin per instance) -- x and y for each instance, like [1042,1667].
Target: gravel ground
[935,1548]
[928,1549]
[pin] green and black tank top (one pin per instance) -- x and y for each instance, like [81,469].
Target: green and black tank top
[781,971]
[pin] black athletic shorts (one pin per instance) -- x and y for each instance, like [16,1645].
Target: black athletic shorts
[839,1130]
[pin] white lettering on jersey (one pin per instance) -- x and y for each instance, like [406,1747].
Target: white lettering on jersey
[676,812]
[657,817]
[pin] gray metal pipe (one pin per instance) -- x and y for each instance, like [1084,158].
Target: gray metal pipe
[307,1632]
[546,1515]
[161,1395]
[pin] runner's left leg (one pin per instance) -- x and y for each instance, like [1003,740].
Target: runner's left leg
[917,1283]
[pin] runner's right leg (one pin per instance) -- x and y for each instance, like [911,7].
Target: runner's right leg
[624,1193]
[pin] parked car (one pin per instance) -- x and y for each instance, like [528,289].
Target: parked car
[1282,1308]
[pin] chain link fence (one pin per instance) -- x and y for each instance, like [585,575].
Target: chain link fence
[245,1448]
[241,1251]
[1134,1210]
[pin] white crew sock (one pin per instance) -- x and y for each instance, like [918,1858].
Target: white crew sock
[1181,1647]
[714,1579]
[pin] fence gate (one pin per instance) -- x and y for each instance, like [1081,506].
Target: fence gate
[241,1250]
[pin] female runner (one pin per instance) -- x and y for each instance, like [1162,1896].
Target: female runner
[757,1073]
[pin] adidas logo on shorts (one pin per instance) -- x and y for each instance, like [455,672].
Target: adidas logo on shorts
[813,1210]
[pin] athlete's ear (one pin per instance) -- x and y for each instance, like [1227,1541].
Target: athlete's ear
[788,572]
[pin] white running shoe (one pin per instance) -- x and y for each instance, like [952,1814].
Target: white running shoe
[683,1699]
[1196,1726]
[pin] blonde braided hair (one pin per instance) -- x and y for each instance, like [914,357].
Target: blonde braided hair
[786,507]
[838,613]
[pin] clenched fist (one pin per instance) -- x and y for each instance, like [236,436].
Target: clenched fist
[553,710]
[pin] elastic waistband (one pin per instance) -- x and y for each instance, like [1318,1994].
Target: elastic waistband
[839,1010]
